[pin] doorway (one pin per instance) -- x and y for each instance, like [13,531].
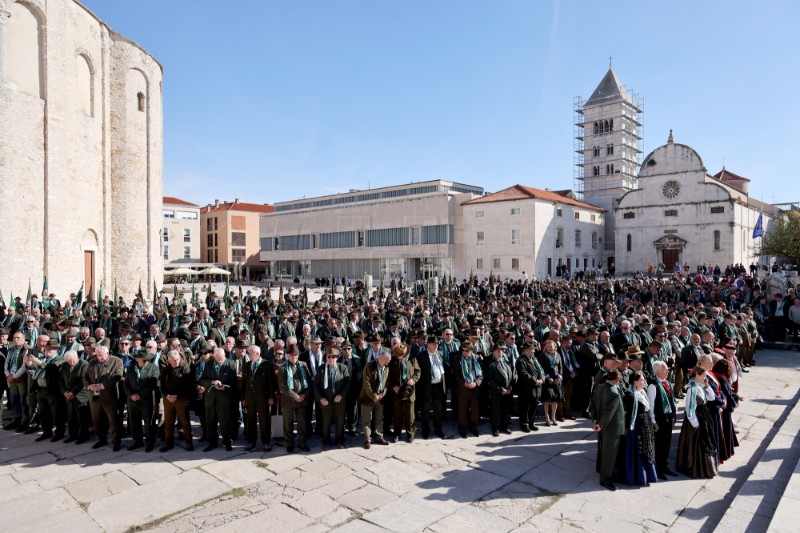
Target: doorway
[88,269]
[669,257]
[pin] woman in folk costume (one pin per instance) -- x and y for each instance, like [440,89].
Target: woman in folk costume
[716,404]
[640,446]
[552,391]
[723,370]
[697,453]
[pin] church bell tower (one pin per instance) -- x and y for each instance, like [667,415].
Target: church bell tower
[608,147]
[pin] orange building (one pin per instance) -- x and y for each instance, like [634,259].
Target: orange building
[229,233]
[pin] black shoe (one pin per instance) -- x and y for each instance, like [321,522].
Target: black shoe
[31,429]
[44,436]
[506,431]
[209,447]
[135,446]
[57,438]
[305,448]
[116,447]
[463,434]
[167,447]
[228,447]
[12,425]
[409,439]
[290,449]
[202,438]
[441,435]
[149,447]
[69,439]
[81,440]
[608,485]
[266,448]
[250,447]
[21,429]
[99,444]
[351,432]
[534,428]
[525,429]
[495,434]
[662,477]
[475,432]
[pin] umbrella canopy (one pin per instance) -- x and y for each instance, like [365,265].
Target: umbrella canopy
[215,271]
[182,271]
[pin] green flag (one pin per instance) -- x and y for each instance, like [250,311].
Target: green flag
[79,297]
[140,294]
[227,294]
[116,296]
[305,293]
[155,292]
[44,287]
[241,294]
[280,293]
[175,290]
[100,294]
[1,296]
[29,298]
[194,295]
[90,294]
[208,292]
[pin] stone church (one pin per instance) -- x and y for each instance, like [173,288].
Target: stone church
[80,152]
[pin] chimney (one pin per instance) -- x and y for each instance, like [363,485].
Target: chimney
[216,202]
[236,200]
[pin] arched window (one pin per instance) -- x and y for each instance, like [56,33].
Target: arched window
[24,49]
[628,243]
[596,128]
[605,127]
[608,169]
[140,101]
[716,239]
[611,125]
[84,85]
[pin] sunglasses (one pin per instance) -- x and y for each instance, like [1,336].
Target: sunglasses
[331,357]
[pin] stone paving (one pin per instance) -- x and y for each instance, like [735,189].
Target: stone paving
[543,481]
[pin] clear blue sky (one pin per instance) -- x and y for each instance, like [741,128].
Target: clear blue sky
[274,100]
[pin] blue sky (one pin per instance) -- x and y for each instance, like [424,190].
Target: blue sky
[269,101]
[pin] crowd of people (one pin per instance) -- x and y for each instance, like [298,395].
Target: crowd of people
[385,365]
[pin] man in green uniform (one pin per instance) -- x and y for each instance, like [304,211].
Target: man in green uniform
[609,421]
[141,383]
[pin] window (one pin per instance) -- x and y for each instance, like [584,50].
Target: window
[514,211]
[595,170]
[496,263]
[216,239]
[415,236]
[611,125]
[169,214]
[296,242]
[187,215]
[514,236]
[628,242]
[596,128]
[266,244]
[596,151]
[238,238]
[165,234]
[238,223]
[479,238]
[671,213]
[559,238]
[166,252]
[609,149]
[340,239]
[439,234]
[387,237]
[360,238]
[594,240]
[208,224]
[209,256]
[514,263]
[719,209]
[577,238]
[209,240]
[593,218]
[478,214]
[85,86]
[559,212]
[187,235]
[187,252]
[577,215]
[716,239]
[629,215]
[479,264]
[216,255]
[216,224]
[238,254]
[140,101]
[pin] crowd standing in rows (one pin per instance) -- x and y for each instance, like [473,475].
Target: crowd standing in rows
[620,352]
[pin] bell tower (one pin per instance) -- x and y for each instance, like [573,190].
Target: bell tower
[608,147]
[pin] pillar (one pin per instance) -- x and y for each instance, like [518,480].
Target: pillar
[4,16]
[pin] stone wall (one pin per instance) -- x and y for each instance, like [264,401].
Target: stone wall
[80,171]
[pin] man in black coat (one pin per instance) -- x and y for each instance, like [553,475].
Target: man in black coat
[530,377]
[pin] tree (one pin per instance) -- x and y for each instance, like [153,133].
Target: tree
[783,237]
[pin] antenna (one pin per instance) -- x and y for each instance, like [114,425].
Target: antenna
[610,61]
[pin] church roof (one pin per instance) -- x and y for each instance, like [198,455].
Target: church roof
[610,90]
[238,206]
[523,192]
[727,175]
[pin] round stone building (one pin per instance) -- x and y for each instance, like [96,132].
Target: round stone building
[81,152]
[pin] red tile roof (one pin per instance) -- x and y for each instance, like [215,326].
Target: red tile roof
[727,175]
[171,200]
[238,206]
[523,192]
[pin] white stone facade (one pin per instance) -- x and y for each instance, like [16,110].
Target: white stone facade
[681,213]
[180,233]
[81,151]
[522,229]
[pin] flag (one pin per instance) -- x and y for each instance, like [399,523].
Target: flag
[305,294]
[90,294]
[116,296]
[758,231]
[140,294]
[280,293]
[241,294]
[194,295]
[155,292]
[100,294]
[208,292]
[28,298]
[227,293]
[79,297]
[1,297]
[44,287]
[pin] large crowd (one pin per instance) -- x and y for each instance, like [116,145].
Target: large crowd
[375,367]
